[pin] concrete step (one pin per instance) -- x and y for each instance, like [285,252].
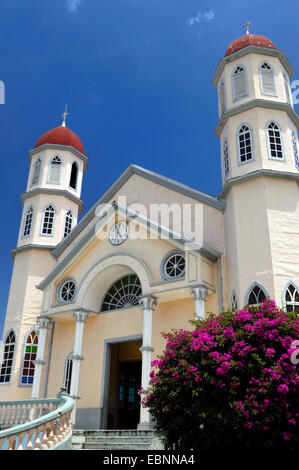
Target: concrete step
[110,439]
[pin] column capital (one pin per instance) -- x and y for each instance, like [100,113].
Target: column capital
[43,322]
[81,316]
[149,302]
[199,292]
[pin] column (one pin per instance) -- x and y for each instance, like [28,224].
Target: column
[80,318]
[146,349]
[199,292]
[43,324]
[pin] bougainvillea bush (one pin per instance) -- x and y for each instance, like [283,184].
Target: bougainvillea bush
[229,381]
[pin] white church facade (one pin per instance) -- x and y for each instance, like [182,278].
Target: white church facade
[88,300]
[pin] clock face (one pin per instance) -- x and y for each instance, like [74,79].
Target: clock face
[119,233]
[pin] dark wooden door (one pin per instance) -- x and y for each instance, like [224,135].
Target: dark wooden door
[129,400]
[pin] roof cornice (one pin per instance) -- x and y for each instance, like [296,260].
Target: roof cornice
[252,104]
[83,157]
[30,246]
[256,174]
[131,170]
[56,192]
[257,50]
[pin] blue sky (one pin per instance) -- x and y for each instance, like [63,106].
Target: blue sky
[136,75]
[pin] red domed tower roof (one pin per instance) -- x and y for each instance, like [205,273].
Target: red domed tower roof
[249,40]
[62,136]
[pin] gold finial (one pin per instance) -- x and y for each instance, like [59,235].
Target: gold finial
[246,25]
[64,115]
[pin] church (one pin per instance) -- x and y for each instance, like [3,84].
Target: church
[89,298]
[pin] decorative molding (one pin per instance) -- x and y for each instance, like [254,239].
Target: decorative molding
[199,292]
[56,192]
[260,103]
[256,174]
[146,348]
[83,157]
[30,246]
[148,302]
[81,316]
[44,322]
[156,178]
[76,357]
[246,50]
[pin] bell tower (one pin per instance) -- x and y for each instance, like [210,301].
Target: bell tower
[258,133]
[51,205]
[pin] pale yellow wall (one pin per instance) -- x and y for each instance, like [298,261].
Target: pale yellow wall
[251,62]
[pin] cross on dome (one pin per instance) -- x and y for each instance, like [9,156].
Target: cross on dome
[246,25]
[64,115]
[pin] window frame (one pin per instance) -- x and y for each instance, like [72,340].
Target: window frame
[283,296]
[69,358]
[261,79]
[287,88]
[110,287]
[250,288]
[21,384]
[33,171]
[238,144]
[65,221]
[222,87]
[14,355]
[77,176]
[164,261]
[234,295]
[234,98]
[283,159]
[25,221]
[49,181]
[226,143]
[58,291]
[294,142]
[43,218]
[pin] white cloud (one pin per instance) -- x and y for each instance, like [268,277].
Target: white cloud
[73,5]
[200,17]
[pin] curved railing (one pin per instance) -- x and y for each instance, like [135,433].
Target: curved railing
[44,424]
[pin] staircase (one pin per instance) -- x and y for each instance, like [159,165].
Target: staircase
[120,439]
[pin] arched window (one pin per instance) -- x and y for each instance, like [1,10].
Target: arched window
[68,223]
[239,83]
[225,158]
[287,88]
[291,298]
[222,97]
[54,170]
[31,343]
[74,176]
[255,295]
[274,141]
[234,301]
[36,172]
[267,79]
[245,144]
[48,220]
[124,293]
[67,380]
[295,149]
[28,222]
[8,355]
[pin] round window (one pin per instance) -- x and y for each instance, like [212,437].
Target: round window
[174,266]
[67,291]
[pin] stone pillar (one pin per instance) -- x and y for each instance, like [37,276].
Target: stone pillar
[199,293]
[43,324]
[80,317]
[148,303]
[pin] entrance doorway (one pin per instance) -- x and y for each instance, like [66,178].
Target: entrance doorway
[124,382]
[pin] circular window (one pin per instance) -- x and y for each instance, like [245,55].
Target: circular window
[67,291]
[174,266]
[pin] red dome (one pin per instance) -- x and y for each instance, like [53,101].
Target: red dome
[62,136]
[249,40]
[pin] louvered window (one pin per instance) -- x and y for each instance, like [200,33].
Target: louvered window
[222,97]
[239,83]
[54,171]
[287,89]
[245,144]
[267,79]
[36,172]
